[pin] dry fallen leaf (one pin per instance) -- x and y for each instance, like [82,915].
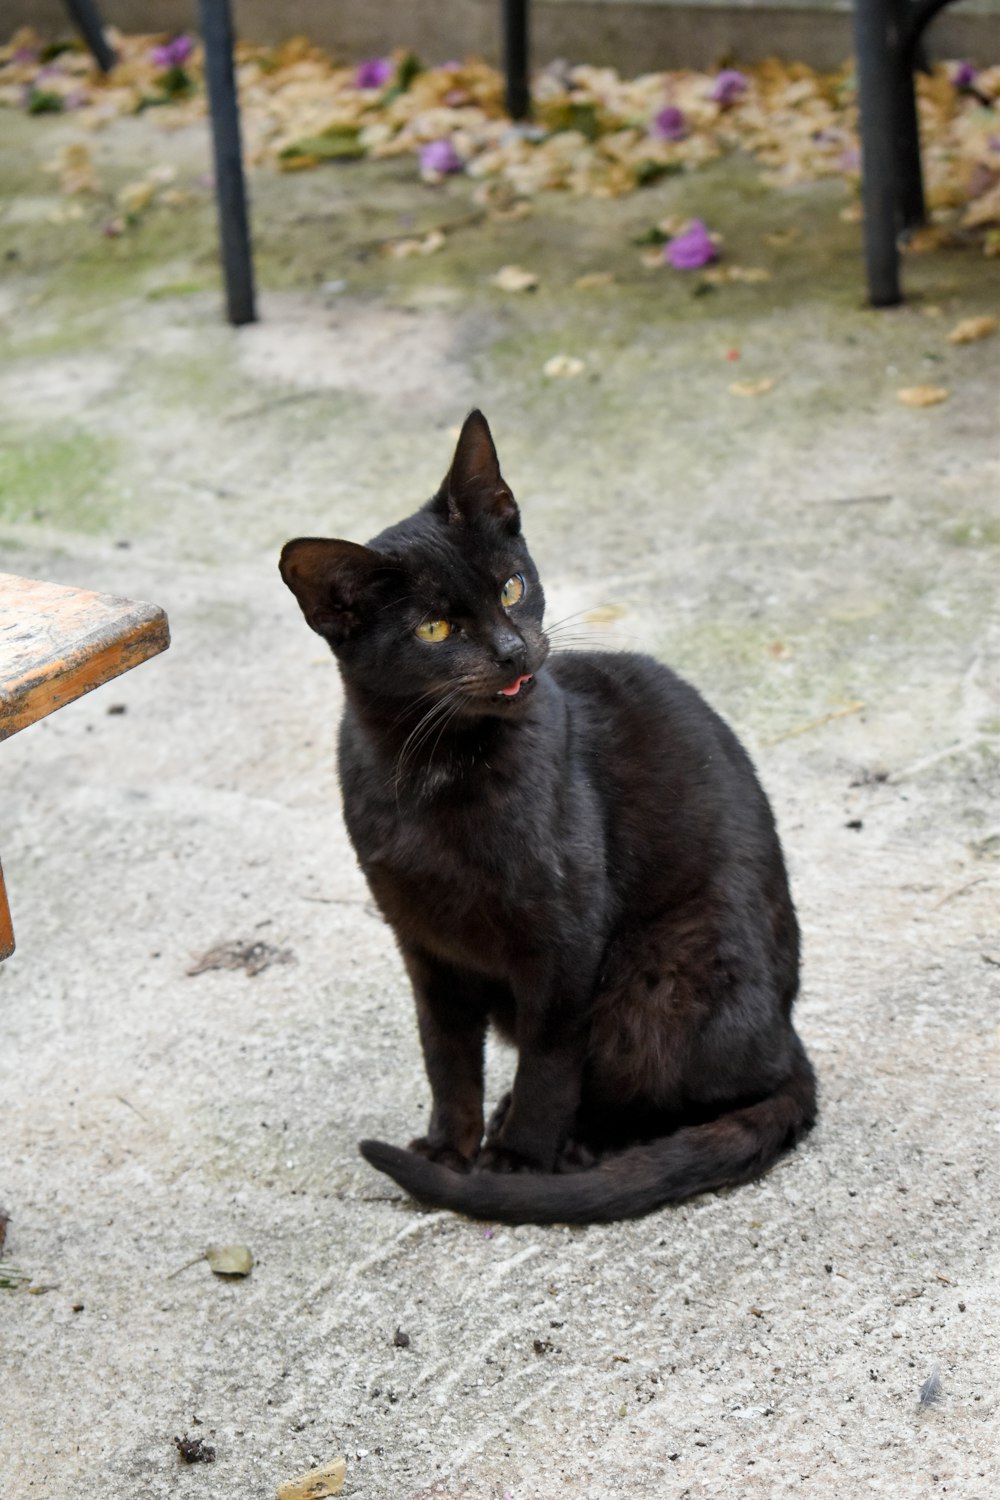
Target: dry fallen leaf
[605,614]
[971,329]
[230,1260]
[752,387]
[922,395]
[76,171]
[252,957]
[927,238]
[135,196]
[563,366]
[717,275]
[594,279]
[515,279]
[780,237]
[403,249]
[328,1480]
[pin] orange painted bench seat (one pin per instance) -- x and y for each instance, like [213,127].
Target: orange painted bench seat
[57,643]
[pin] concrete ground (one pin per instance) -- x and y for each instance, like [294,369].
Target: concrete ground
[820,560]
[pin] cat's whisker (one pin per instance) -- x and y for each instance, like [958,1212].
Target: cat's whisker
[446,720]
[412,703]
[444,708]
[561,639]
[579,614]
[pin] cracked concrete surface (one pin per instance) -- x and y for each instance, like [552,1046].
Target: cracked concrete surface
[821,561]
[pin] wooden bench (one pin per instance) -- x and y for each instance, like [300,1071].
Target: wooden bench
[56,644]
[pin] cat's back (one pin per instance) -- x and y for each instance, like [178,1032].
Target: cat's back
[632,694]
[661,755]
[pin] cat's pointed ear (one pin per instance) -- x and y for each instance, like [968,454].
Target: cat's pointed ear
[332,581]
[474,487]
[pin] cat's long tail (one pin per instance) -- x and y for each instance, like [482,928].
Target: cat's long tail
[732,1149]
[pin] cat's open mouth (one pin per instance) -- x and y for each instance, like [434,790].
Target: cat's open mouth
[518,686]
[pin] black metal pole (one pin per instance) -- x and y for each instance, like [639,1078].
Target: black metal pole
[910,182]
[87,19]
[230,194]
[877,96]
[515,58]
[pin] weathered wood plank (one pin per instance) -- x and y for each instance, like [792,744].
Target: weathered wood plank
[57,643]
[6,926]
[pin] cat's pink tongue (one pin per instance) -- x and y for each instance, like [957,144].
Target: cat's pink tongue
[515,687]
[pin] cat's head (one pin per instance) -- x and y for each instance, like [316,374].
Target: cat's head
[445,602]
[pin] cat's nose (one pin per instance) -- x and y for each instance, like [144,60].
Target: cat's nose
[509,651]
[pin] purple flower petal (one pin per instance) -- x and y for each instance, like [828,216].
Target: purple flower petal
[963,75]
[669,124]
[374,73]
[173,54]
[728,86]
[440,156]
[692,249]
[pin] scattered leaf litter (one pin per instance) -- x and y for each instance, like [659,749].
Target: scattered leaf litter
[592,132]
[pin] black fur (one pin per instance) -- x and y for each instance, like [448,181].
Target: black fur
[586,862]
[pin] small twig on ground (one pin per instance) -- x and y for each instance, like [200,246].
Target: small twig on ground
[931,760]
[855,500]
[263,407]
[467,221]
[958,891]
[185,1267]
[835,713]
[129,1105]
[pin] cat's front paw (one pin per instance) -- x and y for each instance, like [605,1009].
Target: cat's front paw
[440,1152]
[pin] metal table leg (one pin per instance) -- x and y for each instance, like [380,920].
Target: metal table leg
[909,177]
[87,20]
[515,58]
[237,262]
[877,99]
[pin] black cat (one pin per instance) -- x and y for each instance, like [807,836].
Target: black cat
[573,847]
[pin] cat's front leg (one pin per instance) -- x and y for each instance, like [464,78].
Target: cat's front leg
[543,1103]
[451,1017]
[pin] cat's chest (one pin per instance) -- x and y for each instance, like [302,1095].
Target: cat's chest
[474,879]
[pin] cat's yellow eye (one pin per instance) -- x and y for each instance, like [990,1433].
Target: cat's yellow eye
[512,592]
[433,630]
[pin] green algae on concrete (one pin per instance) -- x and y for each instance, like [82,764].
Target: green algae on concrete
[65,479]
